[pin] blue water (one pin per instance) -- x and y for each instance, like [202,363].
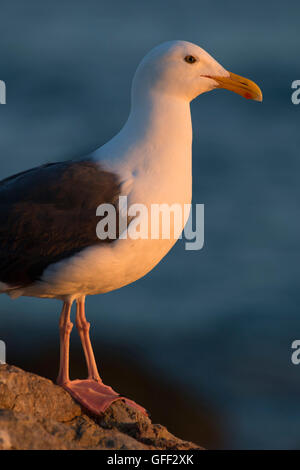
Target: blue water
[220,320]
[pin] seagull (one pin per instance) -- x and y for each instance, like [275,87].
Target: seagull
[49,247]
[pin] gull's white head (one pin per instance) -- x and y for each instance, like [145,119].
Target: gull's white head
[184,70]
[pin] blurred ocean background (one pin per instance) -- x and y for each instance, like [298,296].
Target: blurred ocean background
[204,341]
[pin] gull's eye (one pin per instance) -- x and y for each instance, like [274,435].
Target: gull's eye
[190,59]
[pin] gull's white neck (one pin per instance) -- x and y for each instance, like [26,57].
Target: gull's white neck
[156,137]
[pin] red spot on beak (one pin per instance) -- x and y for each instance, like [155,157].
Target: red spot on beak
[248,96]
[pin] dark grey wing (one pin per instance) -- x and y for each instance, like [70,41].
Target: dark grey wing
[49,213]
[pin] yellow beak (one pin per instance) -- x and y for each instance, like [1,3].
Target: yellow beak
[242,86]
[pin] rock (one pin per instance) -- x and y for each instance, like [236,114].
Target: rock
[37,414]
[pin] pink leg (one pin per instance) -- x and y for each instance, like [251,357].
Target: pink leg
[65,328]
[83,327]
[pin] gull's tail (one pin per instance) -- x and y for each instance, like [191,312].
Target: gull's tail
[12,291]
[3,287]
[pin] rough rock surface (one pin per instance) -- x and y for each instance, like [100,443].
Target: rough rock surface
[37,414]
